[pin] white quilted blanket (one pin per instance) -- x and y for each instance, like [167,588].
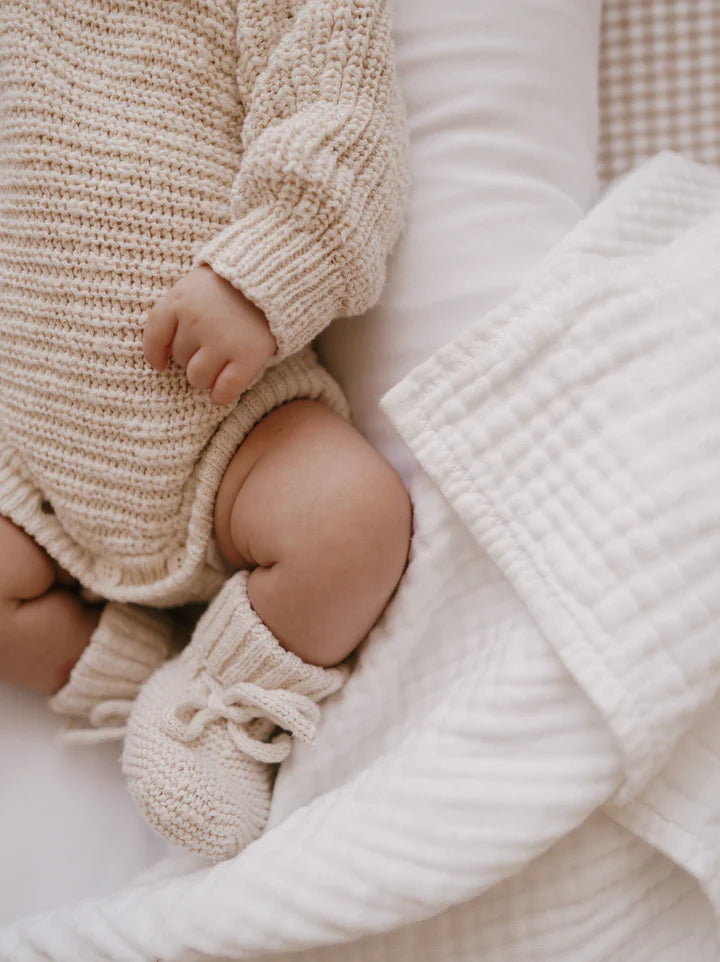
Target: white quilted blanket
[553,651]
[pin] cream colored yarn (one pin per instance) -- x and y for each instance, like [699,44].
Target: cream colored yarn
[200,755]
[127,646]
[264,137]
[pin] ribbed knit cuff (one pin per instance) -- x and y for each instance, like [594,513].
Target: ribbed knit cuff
[235,645]
[127,646]
[291,274]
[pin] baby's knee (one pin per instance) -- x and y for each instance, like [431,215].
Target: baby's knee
[306,483]
[352,538]
[325,522]
[372,514]
[349,507]
[338,564]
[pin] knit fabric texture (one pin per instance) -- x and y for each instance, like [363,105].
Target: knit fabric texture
[203,741]
[265,138]
[127,646]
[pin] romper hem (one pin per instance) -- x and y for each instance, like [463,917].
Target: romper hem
[181,573]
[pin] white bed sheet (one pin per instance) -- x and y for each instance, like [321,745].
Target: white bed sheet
[502,109]
[68,828]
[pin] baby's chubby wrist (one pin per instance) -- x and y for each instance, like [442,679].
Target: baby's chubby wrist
[211,329]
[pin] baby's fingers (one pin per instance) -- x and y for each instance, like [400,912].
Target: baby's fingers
[159,333]
[230,384]
[204,367]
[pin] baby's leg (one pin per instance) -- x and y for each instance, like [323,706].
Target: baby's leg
[323,521]
[44,626]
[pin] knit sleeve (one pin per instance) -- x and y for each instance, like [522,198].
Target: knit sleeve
[318,200]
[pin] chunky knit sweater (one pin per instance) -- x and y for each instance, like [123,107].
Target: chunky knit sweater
[138,139]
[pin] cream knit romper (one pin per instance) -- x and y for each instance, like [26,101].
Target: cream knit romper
[139,138]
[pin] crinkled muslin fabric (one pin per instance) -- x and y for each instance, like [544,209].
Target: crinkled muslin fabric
[535,726]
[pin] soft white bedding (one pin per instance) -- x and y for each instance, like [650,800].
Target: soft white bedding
[68,827]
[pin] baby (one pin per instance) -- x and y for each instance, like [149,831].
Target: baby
[190,191]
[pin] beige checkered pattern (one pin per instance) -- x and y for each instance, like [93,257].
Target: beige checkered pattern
[659,81]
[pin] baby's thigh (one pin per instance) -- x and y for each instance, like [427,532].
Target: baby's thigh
[324,522]
[26,571]
[305,481]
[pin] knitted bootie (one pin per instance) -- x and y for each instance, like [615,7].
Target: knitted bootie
[202,745]
[127,646]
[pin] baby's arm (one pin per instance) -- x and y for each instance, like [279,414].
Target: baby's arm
[318,200]
[44,627]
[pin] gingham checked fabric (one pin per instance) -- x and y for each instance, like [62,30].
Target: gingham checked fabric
[659,82]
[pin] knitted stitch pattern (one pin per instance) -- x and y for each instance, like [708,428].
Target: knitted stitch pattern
[265,138]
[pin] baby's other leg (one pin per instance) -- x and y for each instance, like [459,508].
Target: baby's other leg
[325,523]
[44,626]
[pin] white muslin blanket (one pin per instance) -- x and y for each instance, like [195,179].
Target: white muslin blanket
[542,692]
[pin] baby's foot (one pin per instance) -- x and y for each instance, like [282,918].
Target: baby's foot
[209,728]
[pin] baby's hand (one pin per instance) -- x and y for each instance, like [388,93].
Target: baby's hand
[211,329]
